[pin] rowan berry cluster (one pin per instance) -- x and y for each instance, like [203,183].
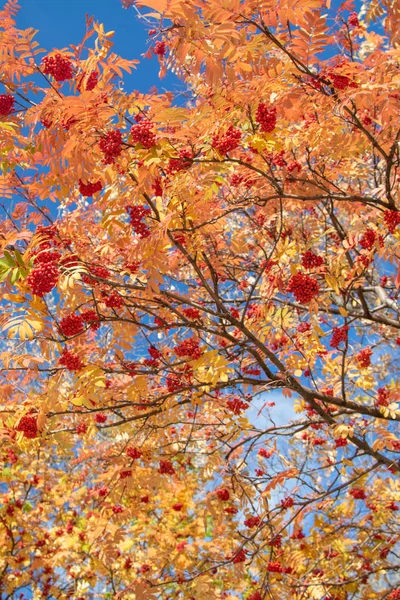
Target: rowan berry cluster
[368,239]
[303,327]
[251,522]
[255,596]
[358,494]
[287,502]
[117,509]
[228,141]
[274,567]
[166,467]
[264,453]
[395,595]
[28,425]
[190,348]
[182,163]
[339,335]
[237,406]
[70,361]
[91,318]
[337,79]
[309,260]
[142,133]
[223,494]
[192,313]
[275,542]
[111,145]
[266,117]
[353,20]
[81,428]
[239,557]
[6,104]
[88,189]
[58,66]
[294,166]
[383,397]
[231,510]
[160,48]
[177,507]
[136,214]
[364,357]
[91,81]
[304,287]
[100,418]
[174,383]
[71,325]
[391,219]
[113,300]
[133,452]
[43,278]
[125,474]
[340,442]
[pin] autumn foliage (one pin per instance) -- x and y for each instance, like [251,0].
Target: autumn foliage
[200,313]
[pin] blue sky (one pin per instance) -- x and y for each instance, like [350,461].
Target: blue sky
[62,23]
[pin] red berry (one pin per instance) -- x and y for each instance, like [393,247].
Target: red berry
[391,219]
[383,397]
[160,48]
[100,418]
[223,494]
[304,287]
[71,325]
[353,19]
[43,278]
[58,66]
[364,357]
[309,260]
[28,425]
[142,133]
[177,507]
[228,141]
[111,145]
[339,335]
[266,117]
[287,502]
[88,189]
[136,214]
[166,467]
[70,360]
[190,348]
[191,313]
[274,567]
[91,318]
[133,452]
[358,494]
[251,522]
[236,405]
[6,104]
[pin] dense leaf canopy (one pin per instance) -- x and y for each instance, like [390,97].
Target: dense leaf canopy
[200,307]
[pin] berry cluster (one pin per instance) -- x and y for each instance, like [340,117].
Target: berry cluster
[239,557]
[309,260]
[113,300]
[228,141]
[266,117]
[111,146]
[339,335]
[251,522]
[43,278]
[395,595]
[182,163]
[237,406]
[255,596]
[340,442]
[154,353]
[358,494]
[368,239]
[142,133]
[177,507]
[81,428]
[275,542]
[274,567]
[223,494]
[133,452]
[364,357]
[28,425]
[353,20]
[303,327]
[304,287]
[166,467]
[70,361]
[337,79]
[189,347]
[136,214]
[91,318]
[88,189]
[191,313]
[91,81]
[294,166]
[174,383]
[265,453]
[117,509]
[391,219]
[231,510]
[287,502]
[6,104]
[100,418]
[160,48]
[71,325]
[58,66]
[383,397]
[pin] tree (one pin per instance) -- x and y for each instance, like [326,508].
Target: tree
[177,279]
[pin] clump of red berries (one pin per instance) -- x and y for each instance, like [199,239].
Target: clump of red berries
[309,260]
[368,239]
[266,117]
[383,397]
[353,20]
[91,81]
[364,357]
[223,494]
[113,300]
[358,494]
[255,596]
[339,335]
[136,214]
[166,467]
[143,133]
[133,452]
[251,522]
[287,502]
[6,104]
[264,453]
[190,348]
[227,141]
[304,287]
[274,567]
[395,595]
[71,325]
[91,318]
[160,48]
[111,145]
[236,405]
[100,418]
[88,189]
[28,425]
[58,66]
[391,219]
[191,313]
[43,278]
[181,163]
[70,361]
[340,442]
[239,557]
